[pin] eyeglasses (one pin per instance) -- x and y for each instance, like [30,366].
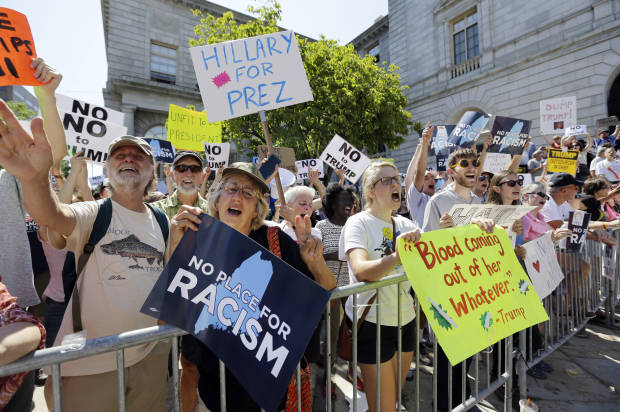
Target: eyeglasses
[387,180]
[513,183]
[464,163]
[184,168]
[482,178]
[541,194]
[232,189]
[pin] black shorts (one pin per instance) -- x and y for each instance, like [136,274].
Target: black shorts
[367,341]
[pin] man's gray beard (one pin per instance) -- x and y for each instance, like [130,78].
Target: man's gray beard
[187,192]
[129,183]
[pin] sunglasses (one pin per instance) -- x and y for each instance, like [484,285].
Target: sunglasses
[232,189]
[541,194]
[482,178]
[464,163]
[387,181]
[184,168]
[513,183]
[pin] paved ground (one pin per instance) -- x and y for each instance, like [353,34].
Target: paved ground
[586,377]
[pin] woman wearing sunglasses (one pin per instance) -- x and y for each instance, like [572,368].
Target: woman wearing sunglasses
[368,243]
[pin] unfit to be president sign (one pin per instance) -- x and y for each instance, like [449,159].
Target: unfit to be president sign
[471,287]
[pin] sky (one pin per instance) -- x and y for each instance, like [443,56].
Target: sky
[69,33]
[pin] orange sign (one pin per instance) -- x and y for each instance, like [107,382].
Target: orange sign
[16,49]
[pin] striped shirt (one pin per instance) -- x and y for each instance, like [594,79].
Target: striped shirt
[171,205]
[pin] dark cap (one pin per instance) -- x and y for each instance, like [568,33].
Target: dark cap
[186,153]
[248,169]
[562,179]
[138,142]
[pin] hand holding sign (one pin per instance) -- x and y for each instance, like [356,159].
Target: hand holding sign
[17,49]
[47,75]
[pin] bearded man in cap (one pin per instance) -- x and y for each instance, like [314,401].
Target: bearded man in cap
[115,281]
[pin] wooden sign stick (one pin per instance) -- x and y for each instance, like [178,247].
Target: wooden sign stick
[263,121]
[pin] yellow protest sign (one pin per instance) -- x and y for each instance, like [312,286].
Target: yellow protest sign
[189,129]
[559,161]
[471,287]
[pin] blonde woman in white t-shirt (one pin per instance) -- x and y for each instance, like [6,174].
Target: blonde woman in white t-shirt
[367,243]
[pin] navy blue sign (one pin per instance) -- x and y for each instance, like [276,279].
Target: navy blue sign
[440,146]
[254,311]
[509,135]
[578,223]
[468,129]
[162,150]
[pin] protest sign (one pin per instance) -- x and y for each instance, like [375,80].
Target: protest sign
[471,287]
[606,122]
[500,214]
[509,135]
[542,265]
[95,181]
[578,221]
[557,114]
[562,161]
[254,311]
[89,127]
[468,129]
[576,130]
[285,154]
[609,261]
[496,162]
[340,154]
[302,167]
[189,129]
[245,76]
[440,147]
[16,49]
[216,155]
[162,150]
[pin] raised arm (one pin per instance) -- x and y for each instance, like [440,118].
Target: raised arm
[422,161]
[589,145]
[516,159]
[483,156]
[46,95]
[205,181]
[410,175]
[29,158]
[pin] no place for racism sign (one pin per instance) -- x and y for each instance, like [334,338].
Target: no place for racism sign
[471,287]
[340,154]
[240,77]
[468,129]
[89,127]
[254,311]
[16,49]
[440,146]
[162,150]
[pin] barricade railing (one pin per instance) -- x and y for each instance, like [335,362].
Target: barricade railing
[568,307]
[572,304]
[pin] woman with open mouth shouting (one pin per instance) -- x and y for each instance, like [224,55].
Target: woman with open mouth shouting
[368,243]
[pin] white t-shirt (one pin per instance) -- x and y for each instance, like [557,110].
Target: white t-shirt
[118,277]
[551,211]
[611,170]
[364,230]
[594,162]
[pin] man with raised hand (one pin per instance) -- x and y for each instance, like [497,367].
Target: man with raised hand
[113,285]
[419,182]
[463,165]
[188,174]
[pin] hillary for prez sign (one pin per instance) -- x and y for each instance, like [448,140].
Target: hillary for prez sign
[245,76]
[471,287]
[254,311]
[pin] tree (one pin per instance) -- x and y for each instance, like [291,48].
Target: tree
[21,110]
[353,96]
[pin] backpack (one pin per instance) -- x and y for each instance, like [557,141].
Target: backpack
[102,222]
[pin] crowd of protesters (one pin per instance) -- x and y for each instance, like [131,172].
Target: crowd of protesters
[336,235]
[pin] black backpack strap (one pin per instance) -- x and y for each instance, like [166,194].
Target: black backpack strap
[162,220]
[100,227]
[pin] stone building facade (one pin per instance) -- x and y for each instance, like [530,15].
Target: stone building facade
[149,65]
[503,57]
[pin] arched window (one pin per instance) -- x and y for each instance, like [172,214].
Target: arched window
[156,132]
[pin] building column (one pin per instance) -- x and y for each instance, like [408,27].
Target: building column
[129,112]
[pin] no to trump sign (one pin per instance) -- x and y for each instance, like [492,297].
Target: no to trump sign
[254,311]
[89,127]
[471,287]
[240,77]
[216,155]
[340,154]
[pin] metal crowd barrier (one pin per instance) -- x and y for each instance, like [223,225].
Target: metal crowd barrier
[568,307]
